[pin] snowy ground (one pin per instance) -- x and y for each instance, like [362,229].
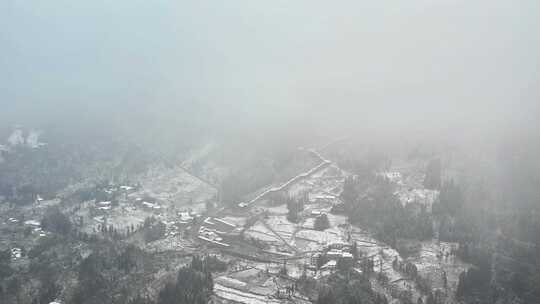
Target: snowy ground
[262,233]
[253,283]
[176,185]
[241,296]
[323,189]
[433,260]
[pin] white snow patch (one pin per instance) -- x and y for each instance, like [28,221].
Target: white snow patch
[32,223]
[242,297]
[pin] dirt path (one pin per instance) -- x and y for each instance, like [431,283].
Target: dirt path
[269,227]
[324,163]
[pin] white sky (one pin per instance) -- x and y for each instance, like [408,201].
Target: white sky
[393,63]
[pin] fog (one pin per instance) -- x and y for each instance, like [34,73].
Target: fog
[331,68]
[281,151]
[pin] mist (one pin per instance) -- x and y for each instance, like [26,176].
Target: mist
[355,65]
[309,151]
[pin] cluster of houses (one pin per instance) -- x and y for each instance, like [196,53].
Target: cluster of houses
[411,196]
[16,253]
[103,205]
[36,226]
[333,253]
[151,206]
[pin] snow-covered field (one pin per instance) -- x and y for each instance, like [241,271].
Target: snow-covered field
[328,236]
[242,297]
[262,233]
[322,190]
[176,185]
[434,259]
[281,225]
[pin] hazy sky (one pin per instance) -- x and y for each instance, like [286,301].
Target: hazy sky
[418,62]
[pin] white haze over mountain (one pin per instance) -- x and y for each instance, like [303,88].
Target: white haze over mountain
[345,66]
[30,139]
[16,138]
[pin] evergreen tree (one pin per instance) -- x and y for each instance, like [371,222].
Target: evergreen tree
[433,175]
[321,222]
[354,251]
[54,220]
[293,214]
[326,296]
[194,285]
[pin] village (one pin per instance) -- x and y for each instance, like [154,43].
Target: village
[268,255]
